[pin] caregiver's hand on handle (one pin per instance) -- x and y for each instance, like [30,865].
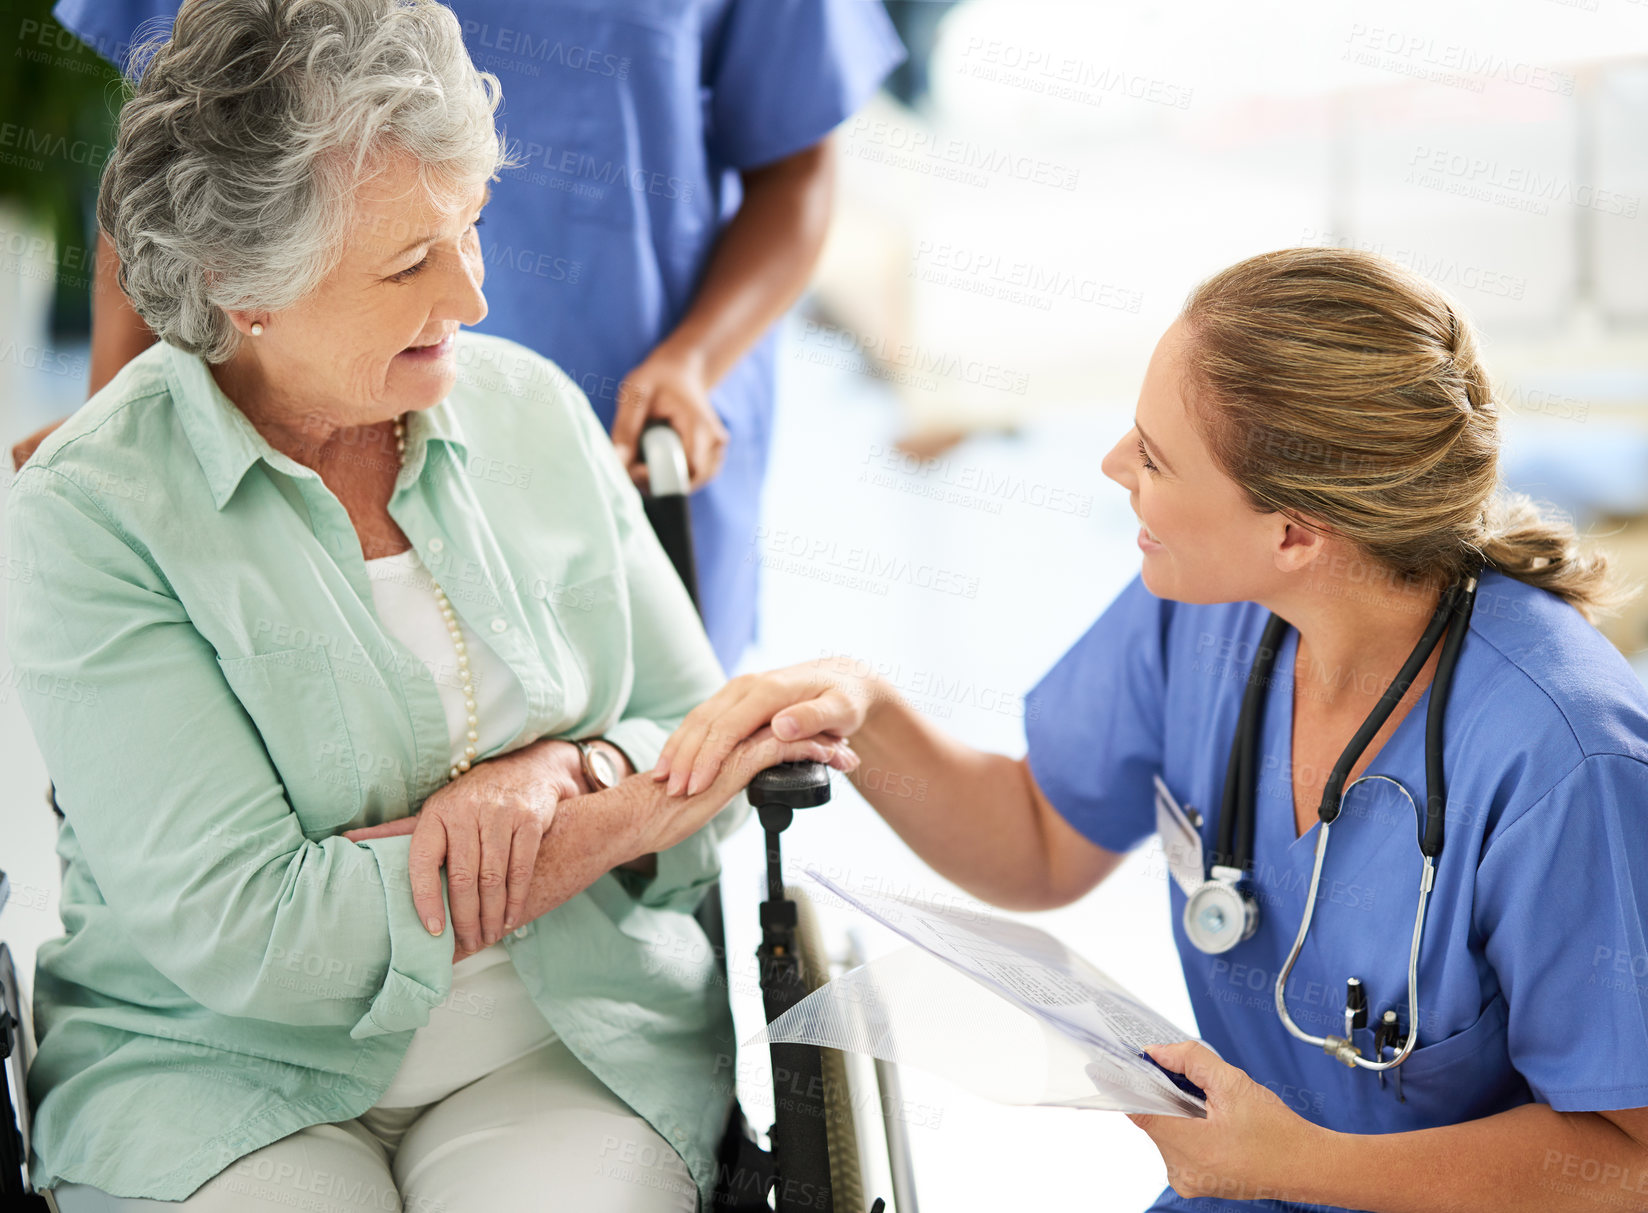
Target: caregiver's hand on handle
[670,386]
[485,826]
[828,700]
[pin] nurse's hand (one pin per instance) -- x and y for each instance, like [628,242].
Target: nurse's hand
[671,385]
[21,451]
[672,819]
[827,699]
[1251,1145]
[485,826]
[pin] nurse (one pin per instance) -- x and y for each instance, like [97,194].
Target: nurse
[1316,437]
[672,197]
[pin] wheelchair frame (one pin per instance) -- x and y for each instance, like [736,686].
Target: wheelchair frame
[813,1164]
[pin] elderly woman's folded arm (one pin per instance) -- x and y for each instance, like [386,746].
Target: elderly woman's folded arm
[182,818]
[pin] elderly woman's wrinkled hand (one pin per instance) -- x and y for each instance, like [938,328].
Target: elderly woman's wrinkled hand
[674,817]
[485,826]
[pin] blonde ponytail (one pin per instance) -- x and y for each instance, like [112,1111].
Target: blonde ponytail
[1337,384]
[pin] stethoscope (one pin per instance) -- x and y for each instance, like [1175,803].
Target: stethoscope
[1222,911]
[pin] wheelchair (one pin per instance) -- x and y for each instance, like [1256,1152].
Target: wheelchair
[822,1137]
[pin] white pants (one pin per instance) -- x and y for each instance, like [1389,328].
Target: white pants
[538,1133]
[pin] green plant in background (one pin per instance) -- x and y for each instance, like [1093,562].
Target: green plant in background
[58,101]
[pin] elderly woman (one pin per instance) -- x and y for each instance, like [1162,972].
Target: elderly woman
[343,634]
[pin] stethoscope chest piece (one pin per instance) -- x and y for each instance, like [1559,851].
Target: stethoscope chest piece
[1219,914]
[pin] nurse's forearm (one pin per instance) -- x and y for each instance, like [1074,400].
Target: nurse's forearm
[118,336]
[1529,1158]
[118,333]
[762,259]
[969,814]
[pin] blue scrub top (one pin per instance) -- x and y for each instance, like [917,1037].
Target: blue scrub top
[1533,974]
[634,119]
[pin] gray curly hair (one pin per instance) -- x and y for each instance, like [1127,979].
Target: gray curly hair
[245,133]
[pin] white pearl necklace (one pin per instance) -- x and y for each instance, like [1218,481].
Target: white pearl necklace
[455,629]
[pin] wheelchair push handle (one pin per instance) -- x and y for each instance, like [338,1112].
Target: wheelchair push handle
[666,502]
[666,460]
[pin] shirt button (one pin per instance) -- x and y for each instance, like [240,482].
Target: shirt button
[436,545]
[521,932]
[499,625]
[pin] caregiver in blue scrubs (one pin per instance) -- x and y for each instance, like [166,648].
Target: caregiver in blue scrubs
[1316,437]
[672,200]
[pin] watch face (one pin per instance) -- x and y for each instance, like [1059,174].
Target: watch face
[604,767]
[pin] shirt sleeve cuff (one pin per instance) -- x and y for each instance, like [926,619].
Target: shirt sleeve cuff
[643,740]
[420,964]
[685,872]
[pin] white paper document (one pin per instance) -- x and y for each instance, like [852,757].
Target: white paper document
[999,1007]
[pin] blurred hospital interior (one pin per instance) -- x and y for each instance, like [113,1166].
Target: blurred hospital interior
[1017,220]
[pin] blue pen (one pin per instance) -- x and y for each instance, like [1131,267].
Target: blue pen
[1179,1080]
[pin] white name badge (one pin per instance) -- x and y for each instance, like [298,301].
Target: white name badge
[1181,841]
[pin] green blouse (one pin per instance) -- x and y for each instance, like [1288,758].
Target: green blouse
[194,638]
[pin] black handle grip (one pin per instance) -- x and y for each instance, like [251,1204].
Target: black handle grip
[793,785]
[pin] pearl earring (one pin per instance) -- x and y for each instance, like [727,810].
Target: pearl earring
[257,328]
